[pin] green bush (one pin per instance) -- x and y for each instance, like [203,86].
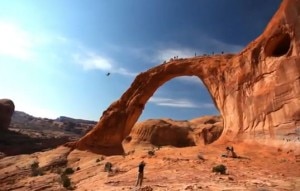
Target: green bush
[69,171]
[151,153]
[35,164]
[220,169]
[65,180]
[35,169]
[108,166]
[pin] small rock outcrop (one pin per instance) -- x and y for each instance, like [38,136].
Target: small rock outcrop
[207,129]
[178,133]
[7,109]
[257,91]
[162,132]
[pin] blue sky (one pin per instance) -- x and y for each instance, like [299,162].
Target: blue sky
[54,54]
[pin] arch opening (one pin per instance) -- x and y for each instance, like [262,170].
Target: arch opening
[278,45]
[180,113]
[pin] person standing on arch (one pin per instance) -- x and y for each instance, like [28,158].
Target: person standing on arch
[140,174]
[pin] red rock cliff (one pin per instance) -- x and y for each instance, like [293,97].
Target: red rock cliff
[256,91]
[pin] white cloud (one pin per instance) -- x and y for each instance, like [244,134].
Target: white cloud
[14,41]
[181,103]
[90,60]
[125,72]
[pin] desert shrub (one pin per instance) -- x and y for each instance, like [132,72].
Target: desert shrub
[35,169]
[35,164]
[220,169]
[108,166]
[78,168]
[151,153]
[65,180]
[68,171]
[98,160]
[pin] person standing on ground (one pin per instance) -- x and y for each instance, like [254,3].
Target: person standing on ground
[141,174]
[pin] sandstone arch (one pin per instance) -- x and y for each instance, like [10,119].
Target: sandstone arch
[257,94]
[123,114]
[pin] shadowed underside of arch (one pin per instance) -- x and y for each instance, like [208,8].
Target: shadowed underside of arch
[256,91]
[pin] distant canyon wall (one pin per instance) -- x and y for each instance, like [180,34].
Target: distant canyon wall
[256,91]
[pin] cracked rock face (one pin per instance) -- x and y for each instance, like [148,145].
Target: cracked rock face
[257,91]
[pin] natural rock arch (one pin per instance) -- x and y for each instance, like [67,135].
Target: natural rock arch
[123,114]
[256,91]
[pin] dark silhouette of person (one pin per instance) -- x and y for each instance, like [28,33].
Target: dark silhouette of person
[140,174]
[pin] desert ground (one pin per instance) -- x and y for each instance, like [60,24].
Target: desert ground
[178,167]
[167,168]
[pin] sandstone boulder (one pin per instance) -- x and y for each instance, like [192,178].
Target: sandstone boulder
[161,132]
[178,133]
[207,129]
[257,91]
[7,109]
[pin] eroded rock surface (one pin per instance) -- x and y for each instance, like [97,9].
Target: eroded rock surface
[161,132]
[17,172]
[207,129]
[257,91]
[7,109]
[178,133]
